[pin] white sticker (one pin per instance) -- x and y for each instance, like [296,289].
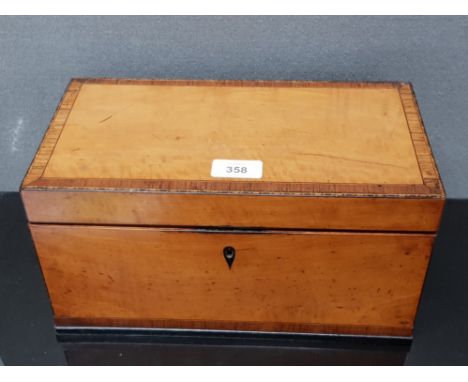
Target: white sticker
[234,168]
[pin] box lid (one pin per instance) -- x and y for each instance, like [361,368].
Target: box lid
[163,152]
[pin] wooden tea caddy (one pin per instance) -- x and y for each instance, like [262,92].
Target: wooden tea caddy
[135,225]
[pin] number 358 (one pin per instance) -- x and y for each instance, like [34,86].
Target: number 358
[236,170]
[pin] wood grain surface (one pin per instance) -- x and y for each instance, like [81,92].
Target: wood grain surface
[139,152]
[283,281]
[234,210]
[313,137]
[322,134]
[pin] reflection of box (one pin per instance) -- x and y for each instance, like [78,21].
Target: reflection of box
[260,206]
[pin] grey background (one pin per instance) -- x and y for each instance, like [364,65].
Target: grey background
[38,56]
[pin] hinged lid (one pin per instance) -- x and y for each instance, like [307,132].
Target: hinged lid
[236,153]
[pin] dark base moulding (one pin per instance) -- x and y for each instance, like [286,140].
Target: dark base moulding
[151,347]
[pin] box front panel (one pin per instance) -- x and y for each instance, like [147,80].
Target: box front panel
[358,283]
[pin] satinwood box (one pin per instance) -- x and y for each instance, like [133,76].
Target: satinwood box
[235,205]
